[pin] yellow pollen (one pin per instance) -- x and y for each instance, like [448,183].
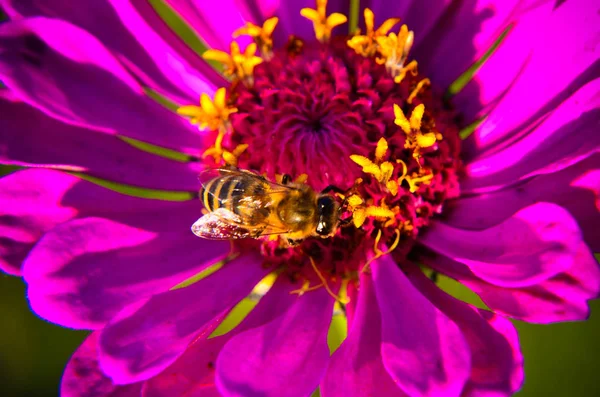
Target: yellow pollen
[262,35]
[367,44]
[417,89]
[393,50]
[236,64]
[322,23]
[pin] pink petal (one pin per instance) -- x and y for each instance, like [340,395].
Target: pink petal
[420,15]
[529,89]
[465,31]
[287,356]
[83,377]
[146,337]
[423,350]
[138,37]
[54,66]
[356,367]
[563,297]
[30,138]
[193,374]
[214,22]
[533,245]
[34,201]
[496,359]
[576,188]
[567,135]
[83,272]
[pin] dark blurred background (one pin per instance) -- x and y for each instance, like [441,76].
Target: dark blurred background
[560,359]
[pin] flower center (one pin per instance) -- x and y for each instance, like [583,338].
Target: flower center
[341,111]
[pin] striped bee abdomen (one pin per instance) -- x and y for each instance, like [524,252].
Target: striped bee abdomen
[241,194]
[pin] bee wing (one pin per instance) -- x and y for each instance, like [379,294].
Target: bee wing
[220,225]
[223,224]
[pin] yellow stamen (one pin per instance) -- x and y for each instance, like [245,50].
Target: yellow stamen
[415,138]
[324,281]
[381,150]
[379,212]
[367,44]
[393,50]
[238,64]
[322,23]
[211,114]
[262,35]
[378,252]
[359,216]
[302,178]
[354,201]
[416,180]
[231,158]
[417,89]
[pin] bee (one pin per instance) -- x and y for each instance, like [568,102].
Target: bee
[242,204]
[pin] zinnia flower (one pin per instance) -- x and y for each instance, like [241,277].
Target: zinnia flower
[383,114]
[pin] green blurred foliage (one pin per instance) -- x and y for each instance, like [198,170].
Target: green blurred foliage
[33,352]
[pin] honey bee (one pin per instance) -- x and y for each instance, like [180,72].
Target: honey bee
[242,204]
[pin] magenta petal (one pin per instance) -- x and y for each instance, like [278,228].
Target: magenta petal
[576,188]
[83,272]
[83,377]
[54,66]
[466,31]
[285,357]
[33,201]
[533,245]
[496,359]
[28,137]
[193,374]
[356,368]
[423,350]
[420,15]
[148,336]
[215,22]
[563,297]
[139,38]
[537,88]
[567,135]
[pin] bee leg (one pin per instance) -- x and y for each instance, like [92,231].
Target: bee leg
[285,179]
[293,243]
[334,189]
[345,222]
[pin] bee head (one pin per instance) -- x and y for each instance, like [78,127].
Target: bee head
[327,211]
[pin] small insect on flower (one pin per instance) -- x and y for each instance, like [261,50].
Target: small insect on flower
[242,204]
